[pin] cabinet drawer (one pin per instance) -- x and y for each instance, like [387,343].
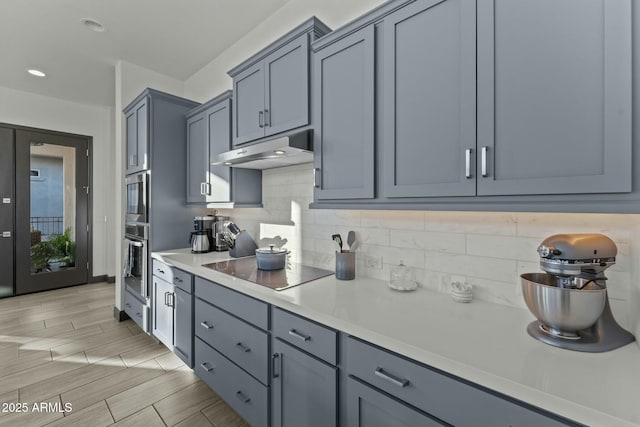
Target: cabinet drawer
[251,310]
[246,345]
[243,393]
[137,311]
[173,275]
[437,394]
[305,334]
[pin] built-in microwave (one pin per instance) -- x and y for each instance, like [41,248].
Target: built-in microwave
[138,197]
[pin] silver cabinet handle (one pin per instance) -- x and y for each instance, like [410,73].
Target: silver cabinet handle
[243,347]
[127,305]
[160,270]
[298,335]
[177,279]
[139,315]
[316,181]
[267,118]
[205,367]
[274,358]
[243,398]
[172,300]
[206,325]
[6,234]
[400,382]
[133,160]
[166,298]
[484,161]
[202,188]
[135,244]
[207,189]
[261,119]
[467,163]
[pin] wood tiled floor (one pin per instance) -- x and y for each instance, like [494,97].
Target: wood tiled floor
[64,347]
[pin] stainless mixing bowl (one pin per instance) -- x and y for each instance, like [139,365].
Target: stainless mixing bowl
[562,311]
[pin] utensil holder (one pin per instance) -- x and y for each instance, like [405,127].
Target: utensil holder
[345,265]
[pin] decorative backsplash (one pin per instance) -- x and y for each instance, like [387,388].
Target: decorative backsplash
[486,249]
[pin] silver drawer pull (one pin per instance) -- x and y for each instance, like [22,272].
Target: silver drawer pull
[483,168]
[240,395]
[127,305]
[298,335]
[243,347]
[467,163]
[205,367]
[160,271]
[206,325]
[400,382]
[139,315]
[177,279]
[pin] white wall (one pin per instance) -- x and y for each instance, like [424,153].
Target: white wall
[28,109]
[487,249]
[131,80]
[212,79]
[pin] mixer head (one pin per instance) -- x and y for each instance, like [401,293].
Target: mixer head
[577,255]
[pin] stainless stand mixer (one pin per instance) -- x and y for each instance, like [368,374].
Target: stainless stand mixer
[570,299]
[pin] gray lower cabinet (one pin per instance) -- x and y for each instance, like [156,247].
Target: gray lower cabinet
[368,407]
[429,96]
[271,89]
[137,122]
[246,395]
[209,134]
[431,392]
[172,310]
[343,97]
[554,106]
[162,311]
[303,389]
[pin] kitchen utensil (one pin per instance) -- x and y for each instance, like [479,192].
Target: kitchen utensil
[402,278]
[570,299]
[233,229]
[345,265]
[338,239]
[351,238]
[354,246]
[271,258]
[243,243]
[337,245]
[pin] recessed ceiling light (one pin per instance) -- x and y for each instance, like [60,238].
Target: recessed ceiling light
[279,151]
[93,25]
[35,72]
[228,163]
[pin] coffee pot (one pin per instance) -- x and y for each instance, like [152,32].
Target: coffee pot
[201,239]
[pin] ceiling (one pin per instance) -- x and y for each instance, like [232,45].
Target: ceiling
[172,37]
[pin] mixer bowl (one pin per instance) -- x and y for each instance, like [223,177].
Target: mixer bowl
[562,311]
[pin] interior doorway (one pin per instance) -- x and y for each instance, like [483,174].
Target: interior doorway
[52,232]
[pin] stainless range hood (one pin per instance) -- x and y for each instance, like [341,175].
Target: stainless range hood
[287,150]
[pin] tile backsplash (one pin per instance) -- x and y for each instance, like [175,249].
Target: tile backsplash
[487,249]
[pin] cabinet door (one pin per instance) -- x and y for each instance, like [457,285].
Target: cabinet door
[344,138]
[219,141]
[183,326]
[287,87]
[429,99]
[197,158]
[248,105]
[554,96]
[367,407]
[304,389]
[162,316]
[137,137]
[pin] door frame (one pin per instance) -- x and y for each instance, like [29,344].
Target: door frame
[89,141]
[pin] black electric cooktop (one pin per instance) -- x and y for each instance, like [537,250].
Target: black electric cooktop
[246,268]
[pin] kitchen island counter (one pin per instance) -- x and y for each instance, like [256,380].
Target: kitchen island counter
[481,342]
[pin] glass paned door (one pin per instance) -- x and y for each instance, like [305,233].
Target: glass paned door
[51,211]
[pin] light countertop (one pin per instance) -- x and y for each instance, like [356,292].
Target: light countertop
[481,342]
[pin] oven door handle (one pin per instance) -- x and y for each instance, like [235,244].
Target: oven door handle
[134,243]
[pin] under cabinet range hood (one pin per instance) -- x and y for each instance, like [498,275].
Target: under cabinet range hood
[287,150]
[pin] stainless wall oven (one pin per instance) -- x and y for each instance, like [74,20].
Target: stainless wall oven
[138,197]
[136,259]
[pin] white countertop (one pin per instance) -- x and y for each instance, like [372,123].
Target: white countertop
[482,342]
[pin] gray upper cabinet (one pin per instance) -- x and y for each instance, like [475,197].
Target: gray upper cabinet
[304,389]
[209,134]
[429,97]
[137,137]
[271,89]
[343,97]
[554,96]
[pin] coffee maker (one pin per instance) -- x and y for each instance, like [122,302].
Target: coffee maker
[570,299]
[201,239]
